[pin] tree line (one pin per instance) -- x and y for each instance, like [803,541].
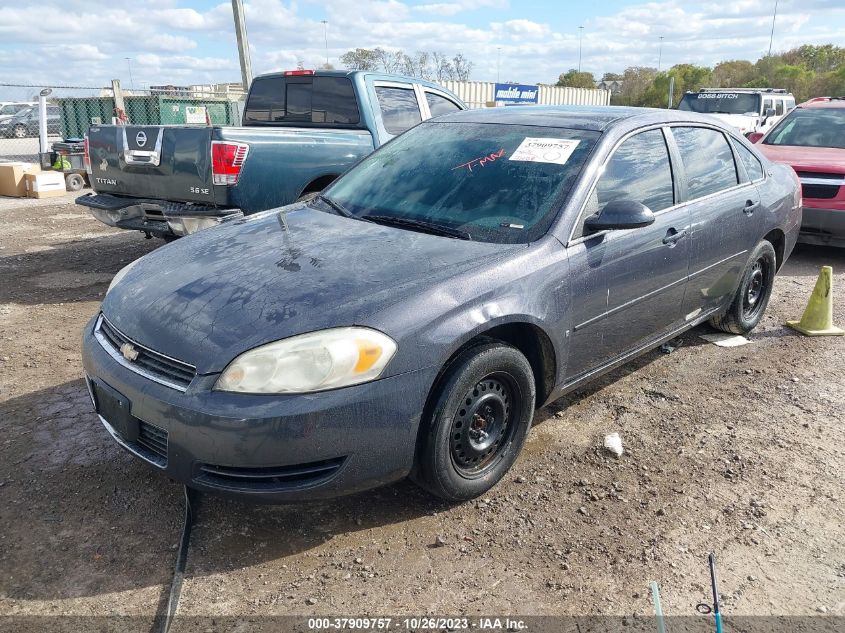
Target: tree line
[434,66]
[806,71]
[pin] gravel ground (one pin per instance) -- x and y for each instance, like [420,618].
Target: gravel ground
[736,450]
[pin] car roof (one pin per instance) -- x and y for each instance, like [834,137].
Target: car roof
[597,118]
[824,102]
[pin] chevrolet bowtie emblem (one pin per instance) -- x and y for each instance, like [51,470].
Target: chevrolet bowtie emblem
[129,352]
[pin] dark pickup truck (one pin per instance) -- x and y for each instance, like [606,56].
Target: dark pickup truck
[300,131]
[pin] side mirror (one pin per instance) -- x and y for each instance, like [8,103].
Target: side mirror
[754,137]
[769,112]
[620,214]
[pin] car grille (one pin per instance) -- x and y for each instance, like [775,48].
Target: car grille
[154,365]
[820,185]
[153,439]
[820,192]
[268,479]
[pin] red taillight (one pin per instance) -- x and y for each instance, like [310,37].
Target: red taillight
[86,155]
[297,73]
[227,160]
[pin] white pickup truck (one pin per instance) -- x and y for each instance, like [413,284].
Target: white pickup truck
[747,109]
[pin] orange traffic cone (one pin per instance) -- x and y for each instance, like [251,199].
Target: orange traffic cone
[817,319]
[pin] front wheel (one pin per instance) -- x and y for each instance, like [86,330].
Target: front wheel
[752,296]
[480,415]
[20,131]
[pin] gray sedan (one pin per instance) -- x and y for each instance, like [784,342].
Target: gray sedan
[410,319]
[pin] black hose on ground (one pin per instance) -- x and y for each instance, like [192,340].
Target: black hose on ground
[163,621]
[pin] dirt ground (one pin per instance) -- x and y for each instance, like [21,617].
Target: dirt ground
[737,451]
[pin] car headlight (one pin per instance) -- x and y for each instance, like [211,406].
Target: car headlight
[121,274]
[322,360]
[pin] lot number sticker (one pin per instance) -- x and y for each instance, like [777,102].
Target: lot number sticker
[545,150]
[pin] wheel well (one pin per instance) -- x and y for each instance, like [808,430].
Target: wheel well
[534,344]
[318,184]
[777,239]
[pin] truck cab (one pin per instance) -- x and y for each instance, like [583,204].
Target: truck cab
[748,110]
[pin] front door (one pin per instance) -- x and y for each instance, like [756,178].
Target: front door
[628,285]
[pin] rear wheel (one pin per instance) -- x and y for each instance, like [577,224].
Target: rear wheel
[752,296]
[481,414]
[20,131]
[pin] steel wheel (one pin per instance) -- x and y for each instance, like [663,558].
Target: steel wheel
[483,426]
[755,289]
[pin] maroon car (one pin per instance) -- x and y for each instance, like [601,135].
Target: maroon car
[811,139]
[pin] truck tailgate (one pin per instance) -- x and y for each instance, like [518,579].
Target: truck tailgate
[153,161]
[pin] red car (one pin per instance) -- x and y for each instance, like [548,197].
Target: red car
[811,139]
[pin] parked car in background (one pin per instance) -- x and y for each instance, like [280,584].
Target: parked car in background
[811,139]
[412,317]
[25,123]
[746,109]
[9,109]
[301,130]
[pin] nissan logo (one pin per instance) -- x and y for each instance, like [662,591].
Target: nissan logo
[141,139]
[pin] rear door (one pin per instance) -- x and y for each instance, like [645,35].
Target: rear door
[722,207]
[152,161]
[628,286]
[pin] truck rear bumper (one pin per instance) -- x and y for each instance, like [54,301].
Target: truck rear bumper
[156,217]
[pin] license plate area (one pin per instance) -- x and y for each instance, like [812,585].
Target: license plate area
[115,408]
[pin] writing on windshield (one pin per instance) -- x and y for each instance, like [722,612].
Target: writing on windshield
[721,103]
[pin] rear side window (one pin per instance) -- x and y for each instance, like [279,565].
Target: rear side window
[316,100]
[752,165]
[438,105]
[399,108]
[708,160]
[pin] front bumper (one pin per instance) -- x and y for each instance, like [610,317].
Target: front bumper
[823,227]
[270,448]
[157,217]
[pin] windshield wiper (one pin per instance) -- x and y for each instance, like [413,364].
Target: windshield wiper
[339,208]
[420,225]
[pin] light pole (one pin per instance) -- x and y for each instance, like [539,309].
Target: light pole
[659,53]
[772,35]
[498,62]
[580,36]
[129,66]
[326,37]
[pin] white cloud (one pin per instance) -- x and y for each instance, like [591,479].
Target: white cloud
[176,41]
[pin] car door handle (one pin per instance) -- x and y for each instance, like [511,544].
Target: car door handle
[750,207]
[673,235]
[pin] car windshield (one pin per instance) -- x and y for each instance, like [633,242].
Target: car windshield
[8,109]
[490,182]
[810,127]
[721,103]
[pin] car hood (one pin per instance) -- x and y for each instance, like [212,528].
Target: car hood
[818,159]
[215,294]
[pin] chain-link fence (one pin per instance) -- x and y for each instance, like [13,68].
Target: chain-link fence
[71,110]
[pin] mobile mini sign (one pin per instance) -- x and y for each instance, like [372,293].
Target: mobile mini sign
[516,94]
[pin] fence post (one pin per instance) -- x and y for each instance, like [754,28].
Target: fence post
[42,120]
[118,98]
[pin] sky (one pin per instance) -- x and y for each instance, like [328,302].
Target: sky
[182,42]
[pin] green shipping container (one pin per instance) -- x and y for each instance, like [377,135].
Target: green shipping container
[79,113]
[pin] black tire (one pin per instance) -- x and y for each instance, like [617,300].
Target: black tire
[752,296]
[74,182]
[477,421]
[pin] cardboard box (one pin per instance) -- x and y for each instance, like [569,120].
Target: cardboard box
[47,184]
[12,178]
